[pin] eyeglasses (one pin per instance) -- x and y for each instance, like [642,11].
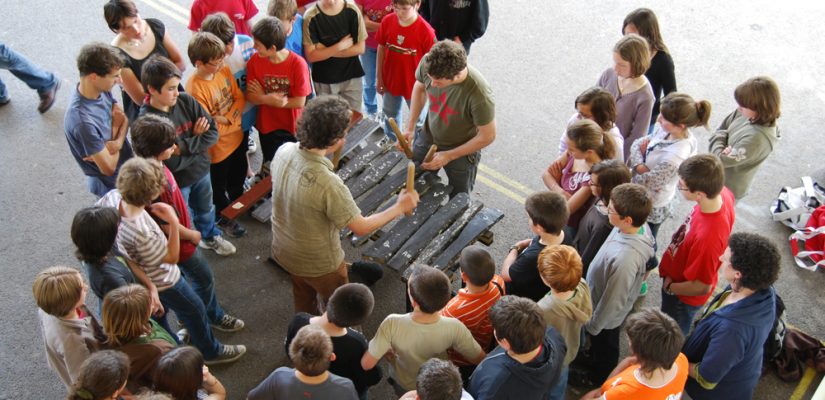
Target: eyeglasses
[683,188]
[215,64]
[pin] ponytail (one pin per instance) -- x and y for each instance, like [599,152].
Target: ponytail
[681,109]
[587,135]
[703,108]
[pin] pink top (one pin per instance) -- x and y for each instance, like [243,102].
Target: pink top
[571,182]
[374,10]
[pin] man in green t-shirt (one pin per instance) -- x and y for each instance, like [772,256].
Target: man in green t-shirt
[311,204]
[461,116]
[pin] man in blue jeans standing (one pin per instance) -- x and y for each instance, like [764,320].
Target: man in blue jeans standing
[44,82]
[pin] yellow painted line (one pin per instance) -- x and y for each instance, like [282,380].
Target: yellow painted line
[160,8]
[503,190]
[804,383]
[181,14]
[495,174]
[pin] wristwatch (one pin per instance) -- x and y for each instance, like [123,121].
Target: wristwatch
[667,289]
[513,247]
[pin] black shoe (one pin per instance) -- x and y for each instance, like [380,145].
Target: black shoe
[5,101]
[232,228]
[369,272]
[47,99]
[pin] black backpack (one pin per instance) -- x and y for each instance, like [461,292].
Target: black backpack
[773,344]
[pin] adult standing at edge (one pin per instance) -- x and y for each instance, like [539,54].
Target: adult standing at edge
[138,39]
[462,21]
[311,204]
[461,118]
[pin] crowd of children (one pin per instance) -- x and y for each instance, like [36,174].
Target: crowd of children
[553,315]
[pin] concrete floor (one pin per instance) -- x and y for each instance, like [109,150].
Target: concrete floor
[536,55]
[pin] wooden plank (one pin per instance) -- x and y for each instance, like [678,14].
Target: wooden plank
[354,166]
[436,224]
[443,240]
[422,185]
[370,177]
[482,222]
[379,194]
[391,241]
[358,133]
[248,199]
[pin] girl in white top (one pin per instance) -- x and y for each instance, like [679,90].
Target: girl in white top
[655,159]
[599,106]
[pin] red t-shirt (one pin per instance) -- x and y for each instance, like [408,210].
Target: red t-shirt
[694,250]
[291,76]
[239,11]
[473,309]
[171,195]
[404,46]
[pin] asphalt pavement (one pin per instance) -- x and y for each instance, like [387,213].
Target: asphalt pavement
[537,55]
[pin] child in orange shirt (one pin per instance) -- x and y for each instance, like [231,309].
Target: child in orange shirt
[657,369]
[214,87]
[472,304]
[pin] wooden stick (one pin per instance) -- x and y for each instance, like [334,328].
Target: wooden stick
[336,159]
[410,181]
[401,139]
[430,153]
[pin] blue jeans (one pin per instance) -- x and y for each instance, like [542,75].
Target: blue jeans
[368,63]
[199,198]
[392,109]
[681,312]
[557,392]
[25,70]
[189,308]
[199,275]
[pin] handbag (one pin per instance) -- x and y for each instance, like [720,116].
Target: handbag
[794,206]
[808,243]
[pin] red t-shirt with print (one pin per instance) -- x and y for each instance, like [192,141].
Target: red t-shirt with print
[404,46]
[694,250]
[291,77]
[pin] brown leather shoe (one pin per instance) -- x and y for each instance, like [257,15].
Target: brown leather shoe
[47,99]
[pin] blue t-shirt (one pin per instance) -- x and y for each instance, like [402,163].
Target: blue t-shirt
[294,42]
[88,126]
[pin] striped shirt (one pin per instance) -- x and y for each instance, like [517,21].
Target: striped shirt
[141,240]
[472,309]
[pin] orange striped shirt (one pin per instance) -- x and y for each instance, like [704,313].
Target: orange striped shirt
[472,309]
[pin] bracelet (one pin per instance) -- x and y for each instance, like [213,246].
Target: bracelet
[513,247]
[667,289]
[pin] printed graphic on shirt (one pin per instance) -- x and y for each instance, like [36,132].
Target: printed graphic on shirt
[402,50]
[439,106]
[679,236]
[460,3]
[376,15]
[276,84]
[738,153]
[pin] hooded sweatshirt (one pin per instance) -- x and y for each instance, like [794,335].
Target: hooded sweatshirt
[193,162]
[501,377]
[728,343]
[568,316]
[750,145]
[615,277]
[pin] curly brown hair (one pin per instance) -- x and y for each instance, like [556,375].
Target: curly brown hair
[324,121]
[445,60]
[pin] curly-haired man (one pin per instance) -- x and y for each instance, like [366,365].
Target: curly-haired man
[311,204]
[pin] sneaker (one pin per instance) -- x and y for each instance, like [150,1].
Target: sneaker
[47,99]
[250,146]
[227,354]
[219,244]
[387,142]
[229,324]
[183,336]
[232,228]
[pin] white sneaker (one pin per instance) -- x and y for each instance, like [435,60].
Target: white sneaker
[219,244]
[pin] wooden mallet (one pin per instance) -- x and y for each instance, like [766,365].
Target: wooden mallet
[401,139]
[410,181]
[430,153]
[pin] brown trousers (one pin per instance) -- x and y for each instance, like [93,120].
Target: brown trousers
[306,291]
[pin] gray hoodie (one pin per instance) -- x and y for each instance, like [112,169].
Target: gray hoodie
[568,316]
[750,145]
[615,277]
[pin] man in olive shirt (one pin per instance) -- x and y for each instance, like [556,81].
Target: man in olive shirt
[461,118]
[311,204]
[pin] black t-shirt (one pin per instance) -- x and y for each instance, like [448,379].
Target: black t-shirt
[348,351]
[329,30]
[662,79]
[524,273]
[159,31]
[112,274]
